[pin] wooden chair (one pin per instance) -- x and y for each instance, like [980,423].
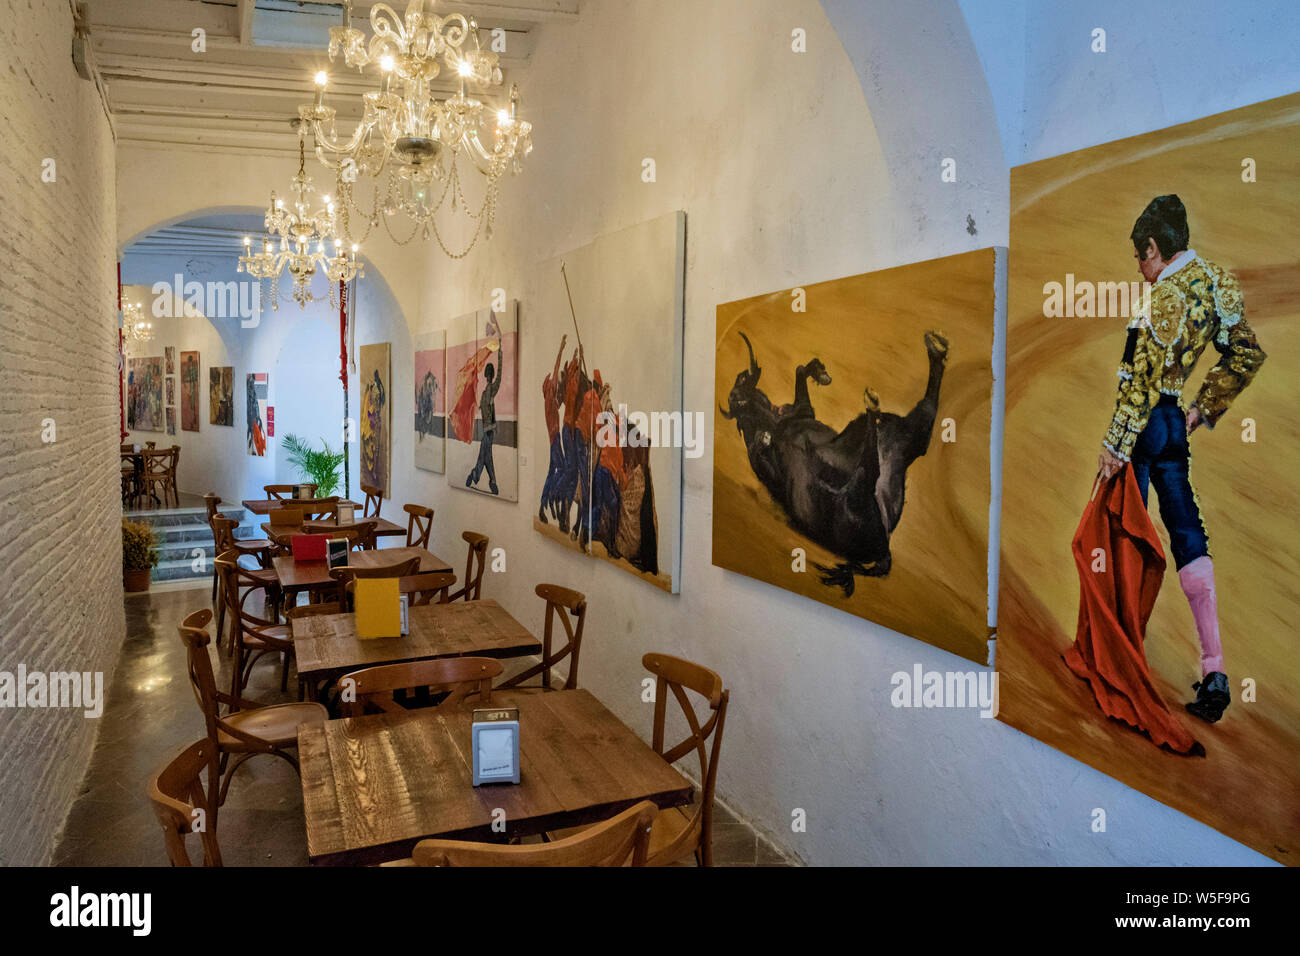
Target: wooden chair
[181,803]
[361,535]
[246,728]
[618,841]
[263,577]
[477,557]
[160,473]
[418,526]
[683,830]
[285,492]
[374,499]
[251,637]
[371,690]
[347,574]
[259,548]
[560,602]
[316,509]
[422,587]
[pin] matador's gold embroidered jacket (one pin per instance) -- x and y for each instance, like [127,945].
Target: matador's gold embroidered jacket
[1193,303]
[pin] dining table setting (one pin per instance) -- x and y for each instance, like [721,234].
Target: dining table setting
[429,717]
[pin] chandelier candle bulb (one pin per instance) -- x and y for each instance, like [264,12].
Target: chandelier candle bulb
[321,80]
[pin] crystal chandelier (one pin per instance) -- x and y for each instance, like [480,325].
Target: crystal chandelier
[298,229]
[134,326]
[406,131]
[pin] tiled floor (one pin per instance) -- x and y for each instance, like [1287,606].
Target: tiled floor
[151,714]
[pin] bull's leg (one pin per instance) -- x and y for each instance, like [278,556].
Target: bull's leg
[919,422]
[816,371]
[903,440]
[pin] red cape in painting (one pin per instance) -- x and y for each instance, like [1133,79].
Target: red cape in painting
[465,395]
[1114,606]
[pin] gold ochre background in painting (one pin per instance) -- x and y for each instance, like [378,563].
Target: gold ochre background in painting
[870,332]
[1073,214]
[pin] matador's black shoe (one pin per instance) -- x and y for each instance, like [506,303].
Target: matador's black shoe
[1212,697]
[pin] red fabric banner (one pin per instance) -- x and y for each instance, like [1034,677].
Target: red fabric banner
[465,395]
[1117,591]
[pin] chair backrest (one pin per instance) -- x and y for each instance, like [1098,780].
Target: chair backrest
[422,587]
[418,525]
[223,532]
[175,460]
[282,492]
[203,681]
[675,675]
[475,561]
[561,602]
[194,635]
[347,574]
[157,464]
[374,500]
[126,447]
[211,502]
[614,842]
[182,804]
[461,677]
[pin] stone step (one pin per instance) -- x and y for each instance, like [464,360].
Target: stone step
[175,551]
[180,570]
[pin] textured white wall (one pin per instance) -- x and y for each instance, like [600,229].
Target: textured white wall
[61,603]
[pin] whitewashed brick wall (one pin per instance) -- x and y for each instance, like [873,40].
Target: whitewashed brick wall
[60,552]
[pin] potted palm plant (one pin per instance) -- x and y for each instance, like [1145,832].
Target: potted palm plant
[320,467]
[139,555]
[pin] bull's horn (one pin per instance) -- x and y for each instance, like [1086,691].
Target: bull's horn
[753,365]
[726,414]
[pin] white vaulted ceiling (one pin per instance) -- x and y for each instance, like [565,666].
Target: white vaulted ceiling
[258,67]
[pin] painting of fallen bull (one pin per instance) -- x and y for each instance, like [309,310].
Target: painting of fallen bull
[852,445]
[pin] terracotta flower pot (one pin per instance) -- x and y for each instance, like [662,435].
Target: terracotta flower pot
[136,579]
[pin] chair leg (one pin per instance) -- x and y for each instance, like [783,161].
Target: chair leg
[284,672]
[230,775]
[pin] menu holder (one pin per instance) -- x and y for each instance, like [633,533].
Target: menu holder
[303,492]
[309,547]
[378,604]
[346,514]
[494,742]
[337,551]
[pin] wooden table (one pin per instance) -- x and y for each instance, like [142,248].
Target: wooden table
[298,576]
[383,527]
[375,786]
[263,506]
[327,647]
